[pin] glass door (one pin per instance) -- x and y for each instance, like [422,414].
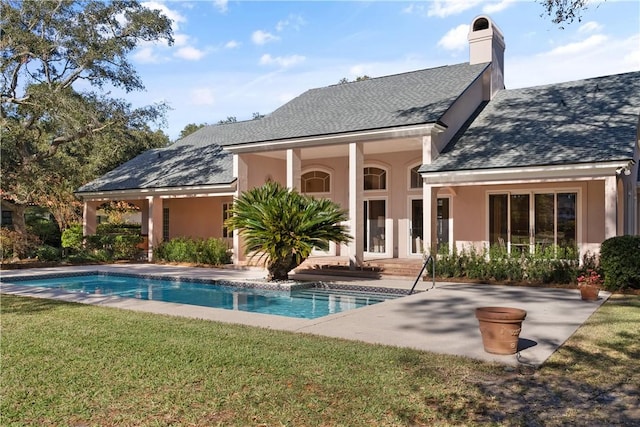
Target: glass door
[519,223]
[375,215]
[416,227]
[443,223]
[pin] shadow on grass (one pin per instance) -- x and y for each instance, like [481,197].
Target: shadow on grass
[12,304]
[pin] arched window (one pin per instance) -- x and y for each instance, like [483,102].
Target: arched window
[375,178]
[316,182]
[415,179]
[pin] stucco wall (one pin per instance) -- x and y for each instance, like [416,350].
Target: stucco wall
[196,217]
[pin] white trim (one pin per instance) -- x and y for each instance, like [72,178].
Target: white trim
[166,192]
[388,235]
[409,229]
[342,138]
[537,174]
[450,236]
[531,192]
[313,168]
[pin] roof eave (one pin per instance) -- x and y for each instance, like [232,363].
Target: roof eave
[333,139]
[163,192]
[577,171]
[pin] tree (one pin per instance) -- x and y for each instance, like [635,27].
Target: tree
[58,122]
[358,79]
[229,119]
[190,128]
[282,227]
[564,10]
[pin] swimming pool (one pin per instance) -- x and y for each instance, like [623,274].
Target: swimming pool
[306,303]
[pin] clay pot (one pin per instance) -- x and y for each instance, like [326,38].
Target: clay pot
[500,328]
[589,292]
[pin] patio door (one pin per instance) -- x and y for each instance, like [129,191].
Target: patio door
[526,222]
[416,228]
[375,215]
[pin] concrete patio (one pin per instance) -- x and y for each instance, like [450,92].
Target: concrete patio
[440,320]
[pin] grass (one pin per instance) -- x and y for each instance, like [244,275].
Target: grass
[72,364]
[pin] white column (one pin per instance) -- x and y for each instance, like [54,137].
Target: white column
[294,168]
[241,172]
[610,207]
[89,218]
[154,224]
[356,189]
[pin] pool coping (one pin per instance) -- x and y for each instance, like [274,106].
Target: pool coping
[440,319]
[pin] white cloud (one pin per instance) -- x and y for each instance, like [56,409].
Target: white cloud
[262,37]
[189,53]
[574,61]
[175,17]
[232,44]
[202,96]
[497,7]
[444,8]
[146,55]
[180,39]
[282,61]
[456,38]
[221,5]
[583,46]
[293,21]
[590,27]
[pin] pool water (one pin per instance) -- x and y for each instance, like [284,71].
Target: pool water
[309,303]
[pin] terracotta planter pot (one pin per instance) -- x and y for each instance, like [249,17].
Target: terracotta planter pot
[589,292]
[500,328]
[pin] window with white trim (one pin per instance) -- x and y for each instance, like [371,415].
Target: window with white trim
[533,220]
[226,214]
[375,178]
[315,181]
[415,180]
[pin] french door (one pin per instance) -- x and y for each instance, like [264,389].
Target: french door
[524,222]
[416,228]
[375,216]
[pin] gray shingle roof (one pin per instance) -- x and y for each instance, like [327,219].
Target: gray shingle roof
[188,162]
[399,100]
[592,120]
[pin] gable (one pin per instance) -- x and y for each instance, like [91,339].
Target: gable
[585,121]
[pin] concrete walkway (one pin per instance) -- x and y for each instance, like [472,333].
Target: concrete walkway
[440,320]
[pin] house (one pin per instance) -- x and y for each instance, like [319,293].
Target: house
[425,159]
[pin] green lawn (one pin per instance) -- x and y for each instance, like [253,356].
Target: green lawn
[72,364]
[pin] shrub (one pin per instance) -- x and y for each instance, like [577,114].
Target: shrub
[18,245]
[620,262]
[181,249]
[48,253]
[497,264]
[72,237]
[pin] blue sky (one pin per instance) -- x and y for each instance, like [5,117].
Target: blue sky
[235,58]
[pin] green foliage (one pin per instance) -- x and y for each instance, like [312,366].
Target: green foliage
[189,129]
[496,264]
[620,261]
[72,237]
[48,253]
[44,228]
[56,134]
[564,10]
[200,251]
[282,227]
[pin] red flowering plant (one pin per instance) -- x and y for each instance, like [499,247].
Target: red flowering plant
[590,278]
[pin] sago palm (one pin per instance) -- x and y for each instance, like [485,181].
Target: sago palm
[282,226]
